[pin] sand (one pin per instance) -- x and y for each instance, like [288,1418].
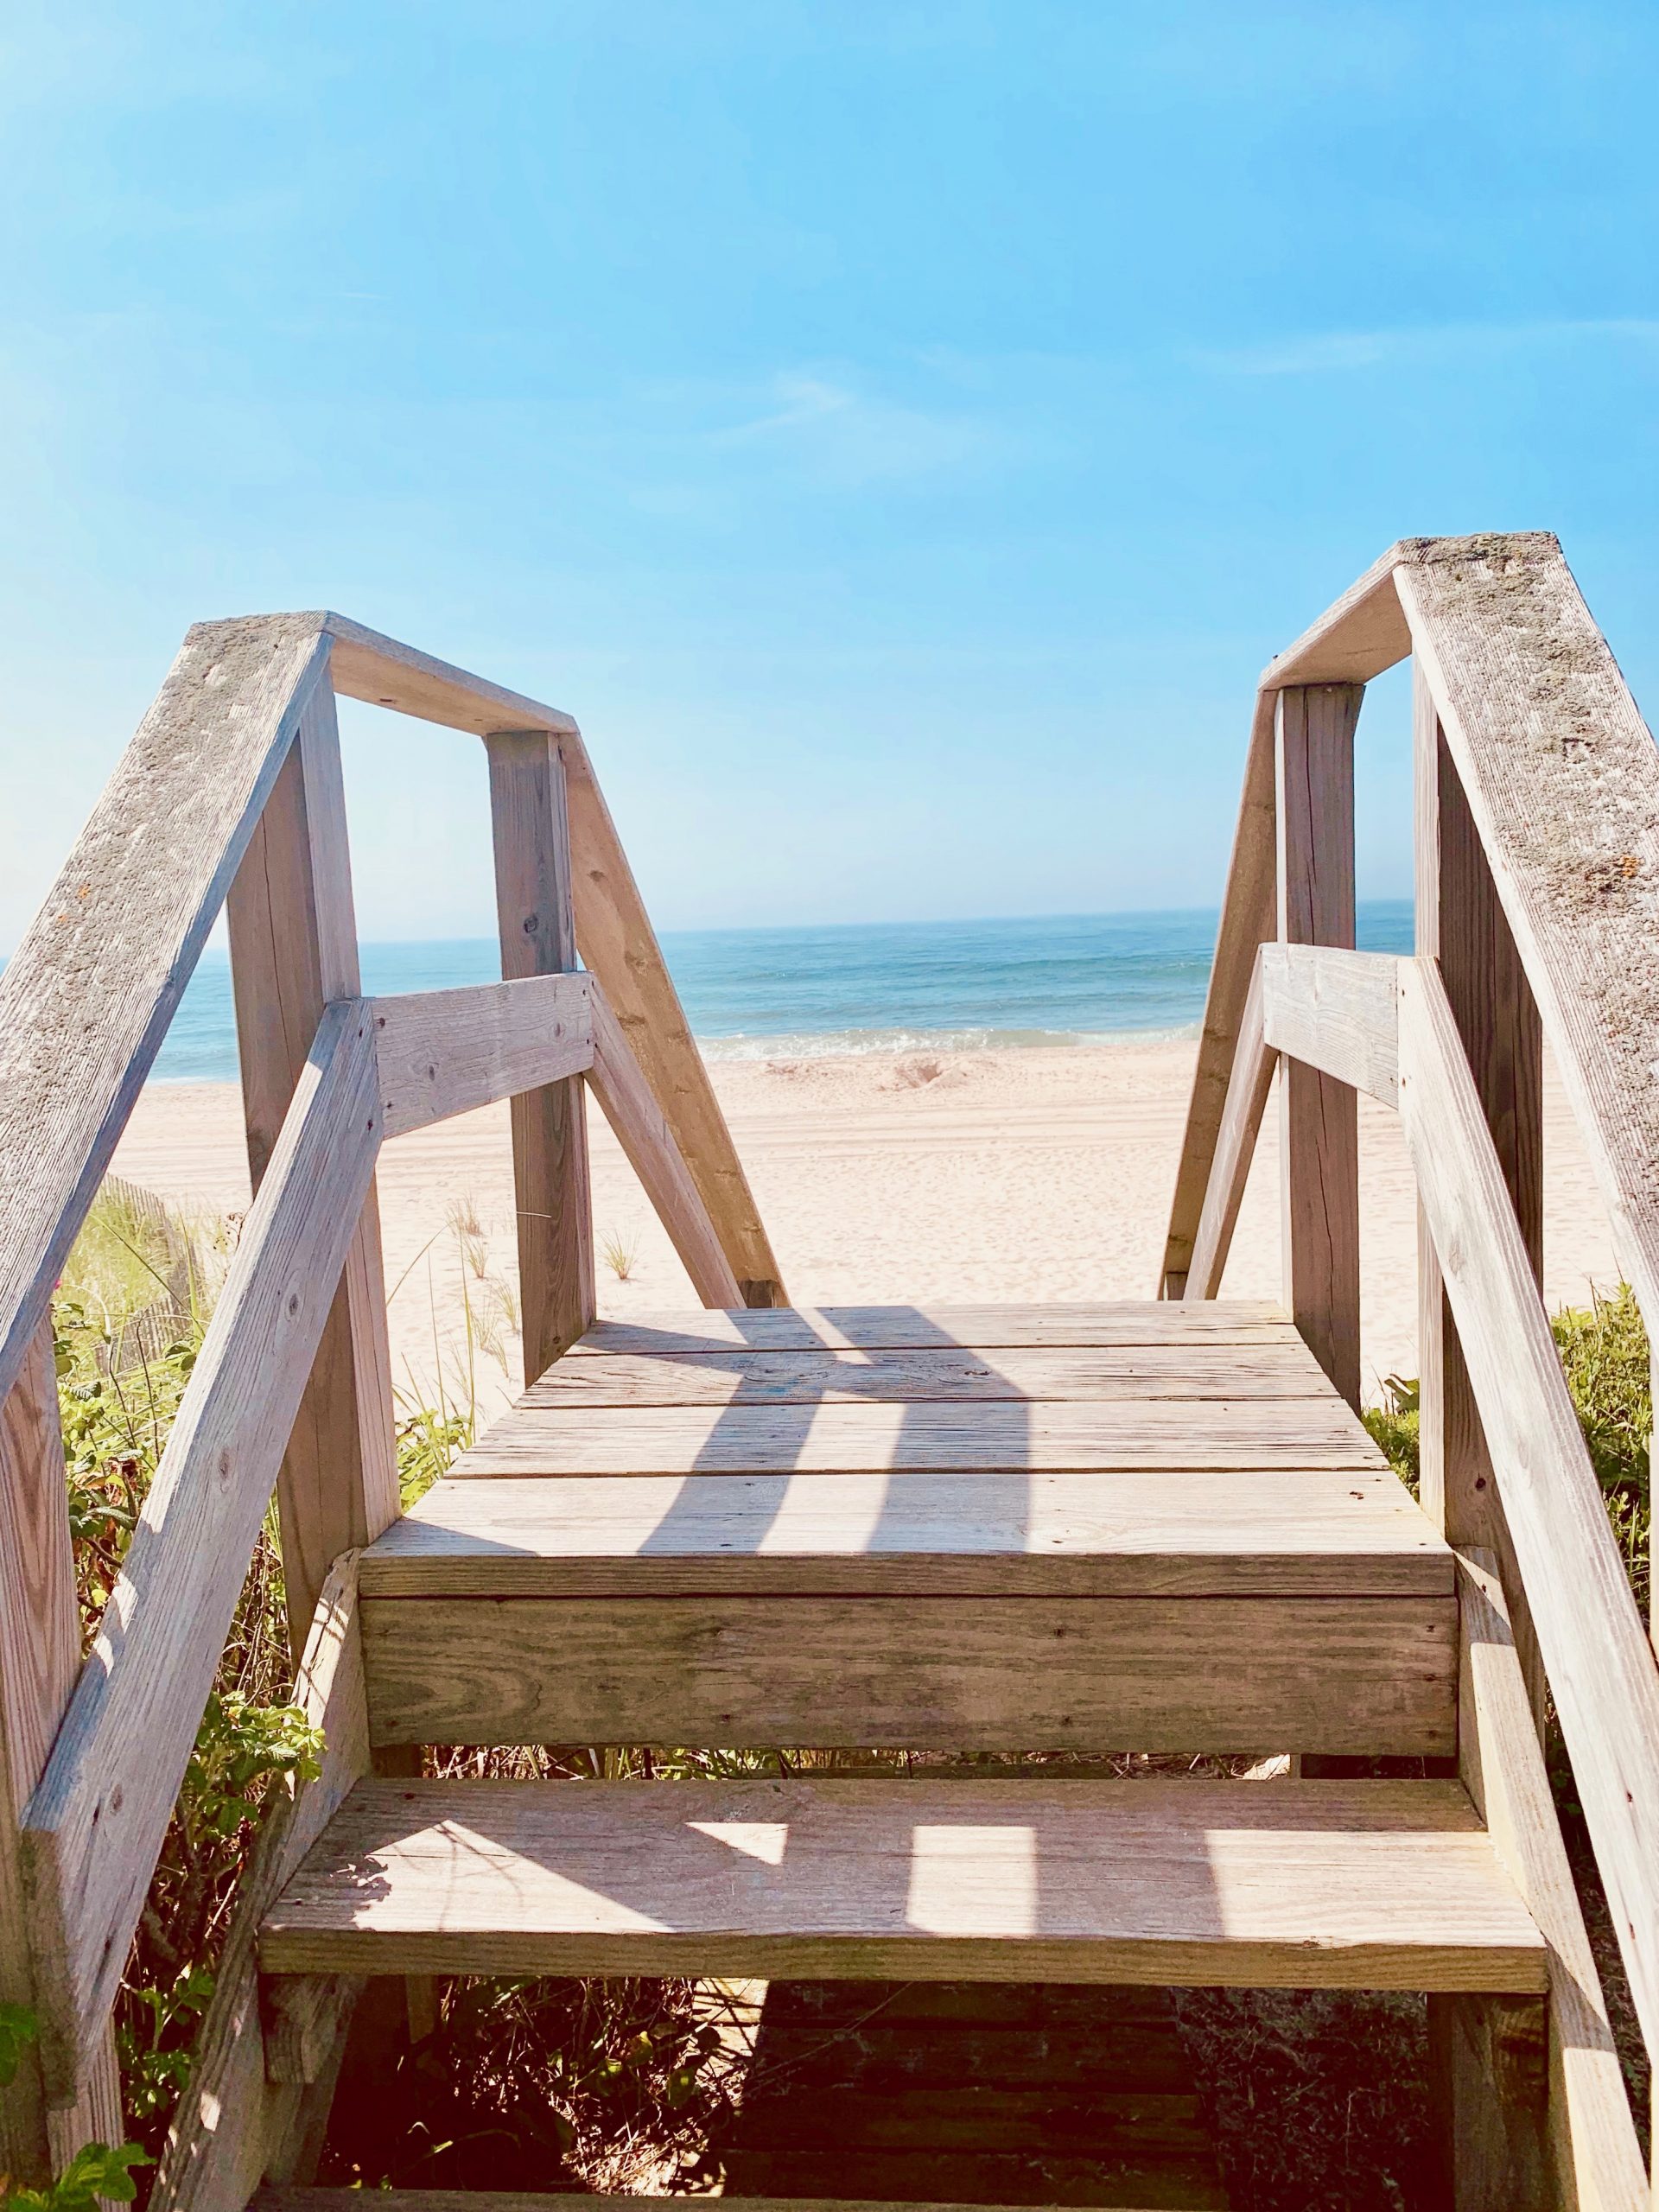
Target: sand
[973,1176]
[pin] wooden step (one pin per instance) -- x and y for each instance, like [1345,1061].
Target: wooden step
[1017,1374]
[1258,1675]
[1109,1534]
[1336,1884]
[863,1533]
[1168,1435]
[920,1328]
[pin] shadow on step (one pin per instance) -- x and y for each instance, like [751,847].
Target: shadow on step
[970,2093]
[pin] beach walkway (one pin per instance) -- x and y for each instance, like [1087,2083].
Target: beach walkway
[960,1658]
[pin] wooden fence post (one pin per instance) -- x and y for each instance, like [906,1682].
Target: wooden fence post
[293,949]
[40,1658]
[1461,923]
[533,895]
[1318,1125]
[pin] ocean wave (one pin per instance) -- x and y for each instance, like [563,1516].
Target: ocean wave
[858,1044]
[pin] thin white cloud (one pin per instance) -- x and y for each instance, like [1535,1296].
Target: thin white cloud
[841,435]
[1338,352]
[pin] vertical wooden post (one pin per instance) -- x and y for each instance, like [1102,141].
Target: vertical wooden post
[1460,922]
[550,1128]
[40,1658]
[1489,2075]
[294,947]
[1319,1123]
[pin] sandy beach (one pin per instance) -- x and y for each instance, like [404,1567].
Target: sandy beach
[972,1176]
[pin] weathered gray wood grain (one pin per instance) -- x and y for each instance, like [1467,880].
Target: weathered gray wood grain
[86,997]
[642,1130]
[1336,1011]
[1196,1535]
[1338,1885]
[444,1053]
[1563,781]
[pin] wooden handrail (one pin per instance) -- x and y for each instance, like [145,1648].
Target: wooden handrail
[94,1826]
[1592,2138]
[1386,1023]
[613,928]
[87,998]
[1362,634]
[1563,777]
[1595,1650]
[1249,1085]
[230,791]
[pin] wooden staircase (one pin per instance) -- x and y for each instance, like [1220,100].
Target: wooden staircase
[992,1545]
[1077,1530]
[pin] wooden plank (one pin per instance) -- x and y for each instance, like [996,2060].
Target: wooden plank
[293,932]
[646,1140]
[86,997]
[1319,1174]
[1562,783]
[683,1335]
[1018,1373]
[236,2120]
[40,1655]
[1601,1664]
[1155,1433]
[1235,1148]
[1366,1675]
[1247,910]
[613,928]
[1591,2138]
[1335,1011]
[549,1130]
[95,1824]
[1124,1535]
[303,2020]
[444,1053]
[377,668]
[1372,1885]
[1358,635]
[1460,923]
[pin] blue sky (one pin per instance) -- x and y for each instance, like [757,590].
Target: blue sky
[899,432]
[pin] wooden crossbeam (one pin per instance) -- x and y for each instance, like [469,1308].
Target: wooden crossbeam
[444,1053]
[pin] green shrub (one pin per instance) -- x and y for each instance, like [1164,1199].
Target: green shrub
[1394,1426]
[1603,1348]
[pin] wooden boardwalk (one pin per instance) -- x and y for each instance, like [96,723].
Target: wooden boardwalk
[1086,1530]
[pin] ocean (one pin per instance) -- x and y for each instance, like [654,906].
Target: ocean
[1081,979]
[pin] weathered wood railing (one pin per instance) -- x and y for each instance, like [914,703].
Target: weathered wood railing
[1537,914]
[231,796]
